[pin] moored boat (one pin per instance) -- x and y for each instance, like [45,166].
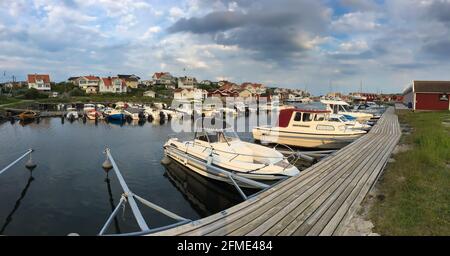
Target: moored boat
[222,148]
[114,114]
[28,115]
[94,114]
[134,113]
[88,107]
[343,108]
[307,129]
[72,113]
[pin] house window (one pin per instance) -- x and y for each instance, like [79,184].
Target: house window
[298,117]
[443,97]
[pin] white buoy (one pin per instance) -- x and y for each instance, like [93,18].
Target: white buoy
[30,165]
[107,165]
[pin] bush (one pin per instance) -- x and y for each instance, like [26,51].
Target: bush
[33,93]
[63,87]
[75,92]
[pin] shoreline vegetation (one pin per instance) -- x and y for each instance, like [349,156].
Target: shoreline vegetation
[413,194]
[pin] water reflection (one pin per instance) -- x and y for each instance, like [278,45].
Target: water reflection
[9,218]
[205,195]
[113,205]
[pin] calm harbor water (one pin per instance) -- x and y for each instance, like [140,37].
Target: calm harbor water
[70,192]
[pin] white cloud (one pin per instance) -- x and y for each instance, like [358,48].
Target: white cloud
[176,13]
[150,32]
[354,46]
[356,22]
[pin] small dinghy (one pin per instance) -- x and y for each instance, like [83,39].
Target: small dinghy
[28,115]
[222,148]
[94,114]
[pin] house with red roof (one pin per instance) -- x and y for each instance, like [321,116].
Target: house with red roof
[89,84]
[225,85]
[112,85]
[163,78]
[223,93]
[254,88]
[39,82]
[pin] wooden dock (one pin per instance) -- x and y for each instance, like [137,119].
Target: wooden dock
[320,201]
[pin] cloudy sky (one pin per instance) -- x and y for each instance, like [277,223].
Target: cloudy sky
[313,44]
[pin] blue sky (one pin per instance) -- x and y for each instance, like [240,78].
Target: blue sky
[289,43]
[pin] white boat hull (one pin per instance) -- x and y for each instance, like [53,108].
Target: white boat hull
[304,140]
[202,169]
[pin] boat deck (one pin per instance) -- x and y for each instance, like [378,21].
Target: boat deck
[320,201]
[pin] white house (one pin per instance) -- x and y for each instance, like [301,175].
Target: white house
[39,82]
[150,93]
[112,85]
[187,82]
[89,84]
[190,94]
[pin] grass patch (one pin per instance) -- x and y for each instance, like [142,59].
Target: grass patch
[415,190]
[8,100]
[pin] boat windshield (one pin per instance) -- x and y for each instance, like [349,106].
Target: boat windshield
[217,136]
[344,108]
[230,135]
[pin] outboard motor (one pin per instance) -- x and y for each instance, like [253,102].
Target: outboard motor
[162,116]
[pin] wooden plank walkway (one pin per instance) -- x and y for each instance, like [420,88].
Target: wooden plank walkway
[320,201]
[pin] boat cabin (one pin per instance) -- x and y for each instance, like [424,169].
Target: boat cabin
[337,106]
[297,117]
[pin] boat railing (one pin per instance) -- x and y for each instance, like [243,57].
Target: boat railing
[29,164]
[129,197]
[233,177]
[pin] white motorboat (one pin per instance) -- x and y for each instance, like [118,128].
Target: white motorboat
[172,113]
[134,113]
[222,148]
[188,107]
[94,114]
[88,107]
[343,108]
[239,106]
[353,124]
[156,114]
[308,129]
[72,113]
